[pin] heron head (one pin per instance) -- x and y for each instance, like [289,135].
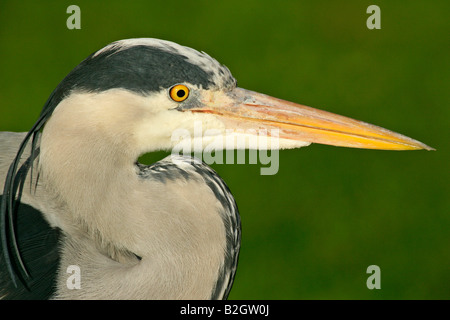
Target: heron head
[150,94]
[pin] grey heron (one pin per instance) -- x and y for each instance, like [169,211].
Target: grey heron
[75,195]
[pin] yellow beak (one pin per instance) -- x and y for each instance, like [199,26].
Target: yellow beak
[247,109]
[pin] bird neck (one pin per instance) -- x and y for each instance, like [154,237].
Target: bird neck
[90,176]
[89,167]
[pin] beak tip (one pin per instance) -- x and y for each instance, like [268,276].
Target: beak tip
[428,148]
[417,145]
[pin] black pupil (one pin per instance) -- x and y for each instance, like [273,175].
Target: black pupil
[181,93]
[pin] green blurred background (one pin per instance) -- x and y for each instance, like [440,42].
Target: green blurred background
[310,231]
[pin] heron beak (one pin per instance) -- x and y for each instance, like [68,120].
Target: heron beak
[246,109]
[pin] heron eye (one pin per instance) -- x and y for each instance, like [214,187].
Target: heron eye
[179,92]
